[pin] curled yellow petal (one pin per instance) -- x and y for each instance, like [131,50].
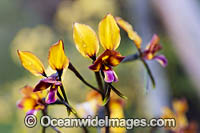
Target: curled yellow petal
[85,39]
[131,33]
[57,58]
[31,62]
[109,33]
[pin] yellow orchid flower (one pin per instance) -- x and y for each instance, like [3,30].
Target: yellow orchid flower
[57,61]
[31,102]
[87,44]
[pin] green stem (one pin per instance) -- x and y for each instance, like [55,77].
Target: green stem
[132,57]
[99,82]
[73,69]
[147,68]
[44,113]
[135,57]
[149,72]
[64,94]
[107,109]
[69,107]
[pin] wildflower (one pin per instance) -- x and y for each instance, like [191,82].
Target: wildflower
[152,48]
[87,43]
[31,102]
[180,108]
[57,60]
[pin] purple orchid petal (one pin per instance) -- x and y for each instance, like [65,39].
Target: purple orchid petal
[161,59]
[110,76]
[46,83]
[51,98]
[52,80]
[32,112]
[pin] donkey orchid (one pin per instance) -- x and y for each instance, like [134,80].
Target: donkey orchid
[87,43]
[31,102]
[152,48]
[57,60]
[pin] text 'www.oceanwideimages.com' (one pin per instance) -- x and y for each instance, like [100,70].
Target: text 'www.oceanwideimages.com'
[129,123]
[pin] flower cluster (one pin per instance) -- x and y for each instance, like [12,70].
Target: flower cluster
[57,60]
[101,99]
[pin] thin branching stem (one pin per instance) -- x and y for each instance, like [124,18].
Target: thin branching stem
[68,106]
[64,94]
[107,109]
[45,113]
[73,69]
[147,68]
[136,56]
[129,58]
[99,82]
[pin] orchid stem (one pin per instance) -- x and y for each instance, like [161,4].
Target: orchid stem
[64,94]
[149,72]
[107,109]
[99,82]
[136,56]
[147,68]
[44,112]
[63,101]
[68,106]
[129,58]
[73,69]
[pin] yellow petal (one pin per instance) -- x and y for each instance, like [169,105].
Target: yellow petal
[31,62]
[109,33]
[27,104]
[131,33]
[57,58]
[85,39]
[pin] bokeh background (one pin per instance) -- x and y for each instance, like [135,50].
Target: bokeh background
[36,25]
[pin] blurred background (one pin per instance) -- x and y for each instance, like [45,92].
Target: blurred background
[36,25]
